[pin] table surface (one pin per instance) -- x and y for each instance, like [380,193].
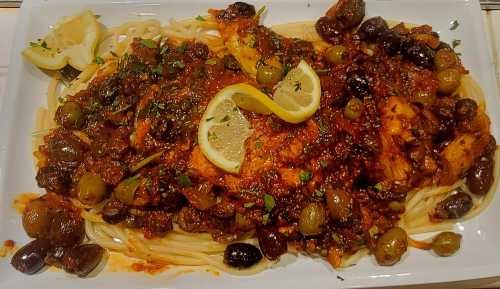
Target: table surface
[8,19]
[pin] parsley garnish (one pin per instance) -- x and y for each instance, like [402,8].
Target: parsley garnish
[99,60]
[286,68]
[305,175]
[298,85]
[178,64]
[265,219]
[454,24]
[200,18]
[149,43]
[210,118]
[378,186]
[184,181]
[225,118]
[319,193]
[269,202]
[211,61]
[455,43]
[158,69]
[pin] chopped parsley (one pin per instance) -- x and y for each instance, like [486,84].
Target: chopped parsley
[454,24]
[319,193]
[178,64]
[210,118]
[158,69]
[265,219]
[260,11]
[225,118]
[305,176]
[269,202]
[248,205]
[38,44]
[138,67]
[182,48]
[99,60]
[286,68]
[297,86]
[184,180]
[149,43]
[379,187]
[200,18]
[455,43]
[211,61]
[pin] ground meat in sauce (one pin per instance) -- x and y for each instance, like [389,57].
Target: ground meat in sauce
[154,101]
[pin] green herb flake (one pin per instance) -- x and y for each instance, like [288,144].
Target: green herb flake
[319,193]
[43,44]
[225,118]
[182,48]
[286,68]
[248,205]
[211,61]
[305,176]
[269,202]
[99,60]
[297,86]
[184,181]
[149,43]
[210,118]
[454,24]
[455,43]
[200,18]
[265,219]
[260,11]
[113,53]
[158,70]
[379,187]
[178,64]
[164,49]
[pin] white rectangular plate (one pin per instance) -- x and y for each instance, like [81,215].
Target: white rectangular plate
[478,257]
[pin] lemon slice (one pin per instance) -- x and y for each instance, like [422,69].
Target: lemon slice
[72,40]
[223,129]
[222,132]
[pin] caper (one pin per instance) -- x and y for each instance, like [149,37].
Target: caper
[91,189]
[312,219]
[444,59]
[353,109]
[391,246]
[37,218]
[448,80]
[446,243]
[336,54]
[69,115]
[268,75]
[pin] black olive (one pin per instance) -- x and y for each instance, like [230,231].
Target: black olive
[114,211]
[65,147]
[491,147]
[350,12]
[69,115]
[391,41]
[53,179]
[358,84]
[454,206]
[237,9]
[55,256]
[30,258]
[329,28]
[200,50]
[465,109]
[418,53]
[231,63]
[272,243]
[66,229]
[241,255]
[82,259]
[480,176]
[373,28]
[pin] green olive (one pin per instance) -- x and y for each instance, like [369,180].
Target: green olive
[268,75]
[312,219]
[37,218]
[91,189]
[353,109]
[336,54]
[69,115]
[448,80]
[445,58]
[391,246]
[339,204]
[125,191]
[446,243]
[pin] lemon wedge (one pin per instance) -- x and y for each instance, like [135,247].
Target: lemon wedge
[223,129]
[72,40]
